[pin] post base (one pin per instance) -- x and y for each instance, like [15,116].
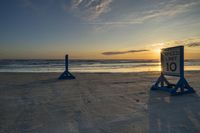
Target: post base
[182,86]
[66,75]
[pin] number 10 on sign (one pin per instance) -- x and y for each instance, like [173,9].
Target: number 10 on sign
[172,61]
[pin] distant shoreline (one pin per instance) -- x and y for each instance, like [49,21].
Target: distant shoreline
[88,66]
[158,72]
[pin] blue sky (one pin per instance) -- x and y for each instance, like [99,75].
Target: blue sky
[88,28]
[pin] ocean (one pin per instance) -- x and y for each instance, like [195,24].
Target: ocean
[112,66]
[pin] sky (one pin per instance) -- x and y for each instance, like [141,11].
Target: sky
[98,29]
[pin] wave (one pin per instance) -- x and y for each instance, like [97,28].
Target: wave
[77,65]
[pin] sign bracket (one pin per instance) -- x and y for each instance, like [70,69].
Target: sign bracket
[66,74]
[182,86]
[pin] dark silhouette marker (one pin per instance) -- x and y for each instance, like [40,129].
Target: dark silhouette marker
[66,74]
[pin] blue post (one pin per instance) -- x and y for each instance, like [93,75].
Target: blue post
[182,63]
[66,74]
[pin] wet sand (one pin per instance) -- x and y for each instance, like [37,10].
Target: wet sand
[95,103]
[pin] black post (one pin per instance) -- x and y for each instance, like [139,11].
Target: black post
[66,74]
[66,63]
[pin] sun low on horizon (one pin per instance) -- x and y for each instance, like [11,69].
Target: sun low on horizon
[98,29]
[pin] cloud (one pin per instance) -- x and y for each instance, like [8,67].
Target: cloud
[169,10]
[163,9]
[90,9]
[123,52]
[191,42]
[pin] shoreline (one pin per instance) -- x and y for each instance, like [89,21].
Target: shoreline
[186,71]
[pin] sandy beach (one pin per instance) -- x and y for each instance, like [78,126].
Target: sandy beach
[95,103]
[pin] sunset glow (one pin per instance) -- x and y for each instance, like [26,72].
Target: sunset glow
[131,29]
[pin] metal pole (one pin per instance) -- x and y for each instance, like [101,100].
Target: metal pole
[66,63]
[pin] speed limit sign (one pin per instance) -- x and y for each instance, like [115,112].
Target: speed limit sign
[172,64]
[172,61]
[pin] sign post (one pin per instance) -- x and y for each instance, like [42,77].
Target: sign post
[172,64]
[66,74]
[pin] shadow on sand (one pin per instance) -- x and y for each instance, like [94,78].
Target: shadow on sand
[173,114]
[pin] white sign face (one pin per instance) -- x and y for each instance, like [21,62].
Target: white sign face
[172,61]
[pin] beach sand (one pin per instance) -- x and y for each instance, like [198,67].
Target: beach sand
[95,103]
